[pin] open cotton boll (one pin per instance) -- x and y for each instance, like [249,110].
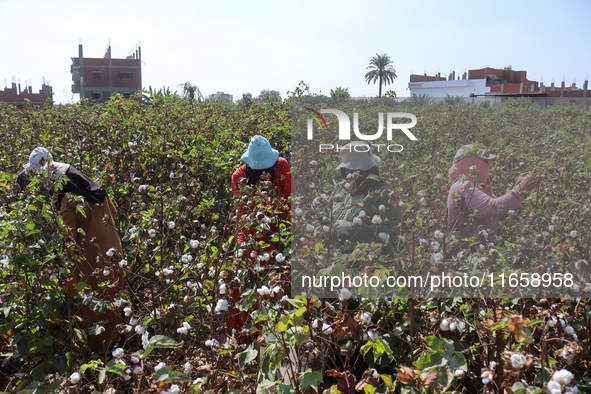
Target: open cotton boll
[75,378]
[373,335]
[563,376]
[222,305]
[160,366]
[118,353]
[365,317]
[326,329]
[444,325]
[345,294]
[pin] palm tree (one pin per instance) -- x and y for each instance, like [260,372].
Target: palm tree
[191,92]
[380,70]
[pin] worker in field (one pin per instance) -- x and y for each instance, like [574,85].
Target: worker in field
[472,207]
[263,180]
[94,231]
[360,205]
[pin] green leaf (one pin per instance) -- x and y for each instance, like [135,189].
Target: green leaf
[520,388]
[96,330]
[311,379]
[387,380]
[429,361]
[166,375]
[34,388]
[442,346]
[285,389]
[247,356]
[283,323]
[157,342]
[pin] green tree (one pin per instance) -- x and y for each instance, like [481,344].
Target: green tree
[453,100]
[269,96]
[380,70]
[191,92]
[420,100]
[340,92]
[245,101]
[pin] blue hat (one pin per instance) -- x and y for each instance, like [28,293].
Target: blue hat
[259,154]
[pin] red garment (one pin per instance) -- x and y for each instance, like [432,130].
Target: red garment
[462,167]
[284,187]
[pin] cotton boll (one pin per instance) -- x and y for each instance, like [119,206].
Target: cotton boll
[365,317]
[373,335]
[75,378]
[188,366]
[118,353]
[444,325]
[222,305]
[345,294]
[326,329]
[159,366]
[569,330]
[452,326]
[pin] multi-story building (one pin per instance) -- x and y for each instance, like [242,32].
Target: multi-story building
[98,78]
[492,84]
[221,96]
[14,94]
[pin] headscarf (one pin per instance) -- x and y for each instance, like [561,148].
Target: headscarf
[462,167]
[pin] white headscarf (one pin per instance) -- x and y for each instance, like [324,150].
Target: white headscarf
[38,158]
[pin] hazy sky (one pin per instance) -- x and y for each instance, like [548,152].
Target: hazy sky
[246,46]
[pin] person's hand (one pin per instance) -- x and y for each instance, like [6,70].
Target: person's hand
[342,227]
[525,181]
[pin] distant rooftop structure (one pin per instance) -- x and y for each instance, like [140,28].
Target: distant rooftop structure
[98,78]
[221,96]
[499,84]
[16,95]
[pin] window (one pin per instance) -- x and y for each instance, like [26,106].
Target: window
[97,74]
[126,75]
[126,94]
[97,96]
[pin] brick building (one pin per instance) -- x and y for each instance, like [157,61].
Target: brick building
[14,94]
[98,78]
[499,85]
[221,96]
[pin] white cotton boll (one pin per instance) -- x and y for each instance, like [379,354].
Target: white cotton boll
[159,366]
[518,360]
[573,390]
[263,291]
[212,343]
[459,373]
[326,329]
[372,335]
[186,258]
[128,311]
[145,340]
[362,214]
[345,294]
[315,324]
[452,326]
[167,272]
[174,389]
[325,228]
[574,234]
[140,329]
[123,263]
[309,228]
[111,252]
[106,272]
[186,325]
[223,288]
[563,376]
[171,224]
[276,289]
[152,233]
[562,322]
[137,370]
[75,378]
[280,258]
[385,237]
[298,212]
[484,233]
[188,366]
[266,257]
[142,188]
[357,221]
[556,391]
[552,385]
[423,201]
[376,220]
[569,330]
[438,257]
[118,353]
[222,305]
[194,243]
[134,359]
[435,245]
[199,266]
[134,321]
[438,234]
[182,330]
[444,325]
[382,208]
[109,391]
[365,317]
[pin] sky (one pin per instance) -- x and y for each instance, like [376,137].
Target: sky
[246,46]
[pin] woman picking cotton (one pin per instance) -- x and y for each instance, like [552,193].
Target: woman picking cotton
[472,206]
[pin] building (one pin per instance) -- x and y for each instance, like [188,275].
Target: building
[14,94]
[98,78]
[494,85]
[221,96]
